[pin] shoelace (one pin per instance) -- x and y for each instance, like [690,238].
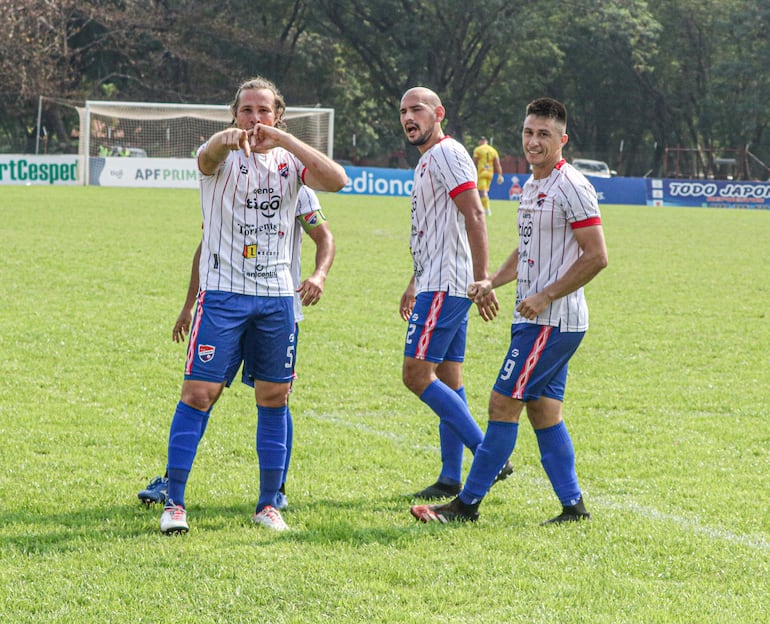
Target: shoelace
[271,513]
[177,511]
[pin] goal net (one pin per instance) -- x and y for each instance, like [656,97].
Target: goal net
[157,130]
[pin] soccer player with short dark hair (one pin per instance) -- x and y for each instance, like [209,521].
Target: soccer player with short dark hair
[561,248]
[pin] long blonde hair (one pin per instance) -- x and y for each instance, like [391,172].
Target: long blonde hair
[279,106]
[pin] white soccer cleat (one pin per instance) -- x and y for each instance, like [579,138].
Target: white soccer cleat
[271,518]
[173,520]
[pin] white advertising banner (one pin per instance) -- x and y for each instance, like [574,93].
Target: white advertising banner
[144,172]
[29,169]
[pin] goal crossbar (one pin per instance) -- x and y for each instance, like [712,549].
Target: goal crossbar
[211,112]
[162,130]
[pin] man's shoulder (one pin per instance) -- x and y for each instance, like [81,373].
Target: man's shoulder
[448,145]
[567,174]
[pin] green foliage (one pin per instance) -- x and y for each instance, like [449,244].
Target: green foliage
[641,74]
[666,403]
[441,45]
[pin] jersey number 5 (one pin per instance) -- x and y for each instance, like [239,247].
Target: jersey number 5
[289,357]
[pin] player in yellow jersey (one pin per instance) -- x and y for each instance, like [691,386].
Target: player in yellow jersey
[487,163]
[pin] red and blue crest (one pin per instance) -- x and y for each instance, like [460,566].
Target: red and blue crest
[206,352]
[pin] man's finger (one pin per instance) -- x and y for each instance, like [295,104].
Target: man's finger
[244,143]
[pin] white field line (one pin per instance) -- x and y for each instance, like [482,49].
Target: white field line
[753,541]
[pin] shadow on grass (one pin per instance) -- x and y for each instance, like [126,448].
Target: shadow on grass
[313,521]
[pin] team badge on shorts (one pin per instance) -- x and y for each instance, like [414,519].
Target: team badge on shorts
[206,353]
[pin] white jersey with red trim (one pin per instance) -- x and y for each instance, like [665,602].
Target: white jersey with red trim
[550,209]
[307,203]
[439,241]
[249,212]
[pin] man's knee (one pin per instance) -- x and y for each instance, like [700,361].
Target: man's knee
[503,408]
[200,395]
[271,394]
[417,375]
[544,412]
[451,373]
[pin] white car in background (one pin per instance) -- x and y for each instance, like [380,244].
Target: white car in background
[133,152]
[596,168]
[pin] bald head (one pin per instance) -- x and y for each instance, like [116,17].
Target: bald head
[423,95]
[421,117]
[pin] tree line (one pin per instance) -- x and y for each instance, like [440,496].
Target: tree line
[639,77]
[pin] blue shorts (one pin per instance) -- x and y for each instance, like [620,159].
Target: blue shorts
[232,370]
[536,363]
[437,328]
[229,328]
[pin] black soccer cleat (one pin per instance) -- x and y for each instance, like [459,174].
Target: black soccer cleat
[438,490]
[505,472]
[570,513]
[454,511]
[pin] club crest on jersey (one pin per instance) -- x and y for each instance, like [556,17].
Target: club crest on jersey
[206,352]
[283,170]
[541,199]
[422,169]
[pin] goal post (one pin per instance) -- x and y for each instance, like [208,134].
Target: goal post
[160,130]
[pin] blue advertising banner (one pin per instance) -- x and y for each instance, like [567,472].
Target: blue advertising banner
[183,173]
[626,191]
[618,190]
[398,182]
[708,193]
[608,190]
[378,181]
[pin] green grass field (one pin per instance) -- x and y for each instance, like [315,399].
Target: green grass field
[668,404]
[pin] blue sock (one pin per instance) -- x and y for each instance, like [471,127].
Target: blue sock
[558,458]
[204,424]
[183,439]
[289,440]
[499,442]
[271,451]
[452,449]
[453,412]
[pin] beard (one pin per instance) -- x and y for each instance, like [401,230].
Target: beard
[420,139]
